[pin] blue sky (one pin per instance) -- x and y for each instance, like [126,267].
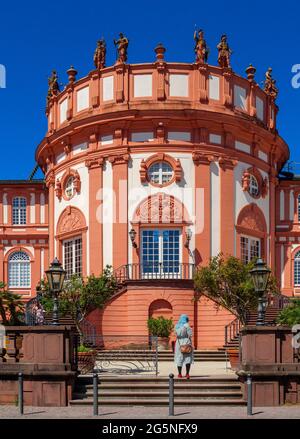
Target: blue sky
[39,36]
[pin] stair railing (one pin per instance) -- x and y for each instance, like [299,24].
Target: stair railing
[232,330]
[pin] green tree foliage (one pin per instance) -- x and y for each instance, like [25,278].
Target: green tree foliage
[290,315]
[81,296]
[11,307]
[160,327]
[227,281]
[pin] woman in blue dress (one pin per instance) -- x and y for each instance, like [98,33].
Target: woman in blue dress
[183,333]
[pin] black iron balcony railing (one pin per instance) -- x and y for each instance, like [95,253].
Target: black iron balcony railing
[155,270]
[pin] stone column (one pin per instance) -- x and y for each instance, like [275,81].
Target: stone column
[120,225]
[95,167]
[227,206]
[202,208]
[50,182]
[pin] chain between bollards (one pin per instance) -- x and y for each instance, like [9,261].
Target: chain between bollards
[171,394]
[95,394]
[20,393]
[249,395]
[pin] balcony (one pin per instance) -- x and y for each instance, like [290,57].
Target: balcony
[155,271]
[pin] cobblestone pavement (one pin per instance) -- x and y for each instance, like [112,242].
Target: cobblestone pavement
[211,412]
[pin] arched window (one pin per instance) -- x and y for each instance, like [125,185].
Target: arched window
[19,210]
[19,270]
[297,270]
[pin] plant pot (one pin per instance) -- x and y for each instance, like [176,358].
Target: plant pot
[86,362]
[234,358]
[163,343]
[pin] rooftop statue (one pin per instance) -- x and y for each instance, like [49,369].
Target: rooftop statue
[270,84]
[100,54]
[201,49]
[224,53]
[122,45]
[53,89]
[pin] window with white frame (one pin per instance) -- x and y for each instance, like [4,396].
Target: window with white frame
[297,270]
[253,186]
[19,270]
[160,173]
[70,188]
[19,210]
[72,257]
[161,251]
[250,248]
[298,208]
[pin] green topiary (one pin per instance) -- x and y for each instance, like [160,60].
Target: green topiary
[160,327]
[83,348]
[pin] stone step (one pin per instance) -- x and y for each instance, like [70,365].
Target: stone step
[151,390]
[161,394]
[190,385]
[161,402]
[152,379]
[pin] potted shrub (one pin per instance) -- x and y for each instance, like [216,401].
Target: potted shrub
[86,359]
[228,282]
[161,327]
[290,315]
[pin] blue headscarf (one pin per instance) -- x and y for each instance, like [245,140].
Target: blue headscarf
[183,319]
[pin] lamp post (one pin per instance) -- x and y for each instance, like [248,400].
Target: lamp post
[188,234]
[55,276]
[132,235]
[260,275]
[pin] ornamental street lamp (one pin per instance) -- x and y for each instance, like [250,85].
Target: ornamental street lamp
[55,276]
[260,275]
[188,234]
[132,235]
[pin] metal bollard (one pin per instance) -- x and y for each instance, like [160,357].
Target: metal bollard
[95,394]
[249,392]
[20,398]
[171,394]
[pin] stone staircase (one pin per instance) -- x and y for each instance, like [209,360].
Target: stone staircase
[272,311]
[153,391]
[166,355]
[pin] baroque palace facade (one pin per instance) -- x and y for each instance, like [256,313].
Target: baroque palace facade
[153,169]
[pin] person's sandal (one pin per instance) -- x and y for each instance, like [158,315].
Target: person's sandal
[179,375]
[187,376]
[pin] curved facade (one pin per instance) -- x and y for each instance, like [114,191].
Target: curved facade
[155,168]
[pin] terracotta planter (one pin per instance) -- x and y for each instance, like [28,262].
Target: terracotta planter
[86,361]
[163,343]
[234,358]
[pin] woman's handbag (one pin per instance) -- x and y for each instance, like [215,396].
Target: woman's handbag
[185,348]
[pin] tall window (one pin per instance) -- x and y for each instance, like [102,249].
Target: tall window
[161,251]
[250,249]
[298,208]
[19,270]
[297,270]
[253,187]
[160,173]
[72,254]
[19,210]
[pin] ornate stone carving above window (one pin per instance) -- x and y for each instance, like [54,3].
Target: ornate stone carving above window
[68,185]
[160,158]
[161,208]
[254,183]
[70,222]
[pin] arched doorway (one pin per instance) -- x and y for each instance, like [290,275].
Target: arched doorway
[162,308]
